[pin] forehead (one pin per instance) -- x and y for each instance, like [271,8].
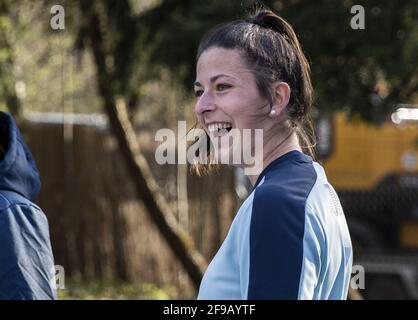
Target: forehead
[221,61]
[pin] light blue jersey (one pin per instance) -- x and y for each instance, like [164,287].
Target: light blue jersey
[289,239]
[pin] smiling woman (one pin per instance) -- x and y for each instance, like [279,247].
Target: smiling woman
[289,239]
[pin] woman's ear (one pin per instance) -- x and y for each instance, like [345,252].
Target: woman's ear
[281,92]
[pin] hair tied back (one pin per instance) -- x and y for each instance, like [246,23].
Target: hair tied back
[269,20]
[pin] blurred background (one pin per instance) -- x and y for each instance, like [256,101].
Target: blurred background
[90,97]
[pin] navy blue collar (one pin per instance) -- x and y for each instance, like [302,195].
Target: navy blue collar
[291,155]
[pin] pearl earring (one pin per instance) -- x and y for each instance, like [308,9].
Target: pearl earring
[272,113]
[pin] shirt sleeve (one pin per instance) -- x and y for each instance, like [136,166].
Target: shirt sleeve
[280,248]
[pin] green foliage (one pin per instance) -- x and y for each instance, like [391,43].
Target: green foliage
[39,70]
[175,27]
[8,97]
[349,67]
[122,37]
[108,290]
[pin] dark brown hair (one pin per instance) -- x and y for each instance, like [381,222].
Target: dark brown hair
[270,49]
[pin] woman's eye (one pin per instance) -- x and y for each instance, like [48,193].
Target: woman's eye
[222,87]
[198,93]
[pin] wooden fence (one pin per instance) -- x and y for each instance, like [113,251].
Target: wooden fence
[99,228]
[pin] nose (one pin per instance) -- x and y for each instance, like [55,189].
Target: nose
[204,104]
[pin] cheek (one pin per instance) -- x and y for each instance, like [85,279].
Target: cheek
[241,102]
[247,111]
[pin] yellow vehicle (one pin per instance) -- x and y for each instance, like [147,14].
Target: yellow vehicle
[375,172]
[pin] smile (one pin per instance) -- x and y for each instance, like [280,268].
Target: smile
[219,128]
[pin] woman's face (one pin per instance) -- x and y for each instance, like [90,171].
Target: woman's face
[227,97]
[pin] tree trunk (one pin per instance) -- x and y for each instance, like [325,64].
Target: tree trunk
[159,211]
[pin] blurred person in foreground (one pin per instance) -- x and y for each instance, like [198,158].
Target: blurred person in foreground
[26,261]
[289,239]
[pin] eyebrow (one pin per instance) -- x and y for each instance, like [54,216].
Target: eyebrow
[212,80]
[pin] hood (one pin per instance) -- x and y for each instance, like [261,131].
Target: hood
[18,171]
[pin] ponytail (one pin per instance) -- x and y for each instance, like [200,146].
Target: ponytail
[302,101]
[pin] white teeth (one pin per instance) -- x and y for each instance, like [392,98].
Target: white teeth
[215,127]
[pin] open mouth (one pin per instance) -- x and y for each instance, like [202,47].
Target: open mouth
[219,129]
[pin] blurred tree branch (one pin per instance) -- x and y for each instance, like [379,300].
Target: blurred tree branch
[159,211]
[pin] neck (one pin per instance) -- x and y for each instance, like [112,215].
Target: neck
[272,151]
